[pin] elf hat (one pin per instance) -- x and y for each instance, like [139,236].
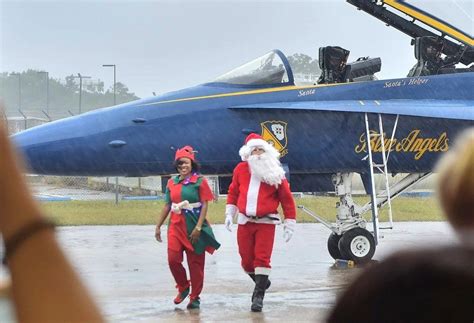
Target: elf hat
[186,151]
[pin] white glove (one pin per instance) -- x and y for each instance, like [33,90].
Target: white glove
[230,211]
[288,229]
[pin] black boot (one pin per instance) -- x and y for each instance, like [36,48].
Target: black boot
[261,282]
[253,278]
[268,283]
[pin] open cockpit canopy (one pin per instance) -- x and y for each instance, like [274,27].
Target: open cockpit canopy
[450,18]
[271,69]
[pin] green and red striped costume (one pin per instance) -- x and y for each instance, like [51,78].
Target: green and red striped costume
[193,189]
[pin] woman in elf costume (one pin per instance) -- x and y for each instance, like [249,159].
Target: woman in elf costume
[187,197]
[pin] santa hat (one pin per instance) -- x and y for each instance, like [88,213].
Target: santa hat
[186,151]
[254,140]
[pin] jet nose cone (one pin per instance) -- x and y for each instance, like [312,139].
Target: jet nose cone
[63,147]
[43,146]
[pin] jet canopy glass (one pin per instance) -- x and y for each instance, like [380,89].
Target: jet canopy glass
[271,69]
[457,13]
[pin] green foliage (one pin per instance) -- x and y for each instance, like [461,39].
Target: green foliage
[63,94]
[302,63]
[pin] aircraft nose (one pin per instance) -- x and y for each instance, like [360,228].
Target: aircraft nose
[62,146]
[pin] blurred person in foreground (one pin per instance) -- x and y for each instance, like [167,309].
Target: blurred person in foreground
[419,285]
[44,286]
[430,284]
[456,186]
[187,196]
[258,187]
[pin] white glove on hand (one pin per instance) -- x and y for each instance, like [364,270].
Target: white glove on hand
[230,211]
[228,222]
[288,229]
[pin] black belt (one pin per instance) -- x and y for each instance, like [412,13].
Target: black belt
[254,217]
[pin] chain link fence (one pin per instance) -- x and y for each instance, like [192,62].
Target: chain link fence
[73,188]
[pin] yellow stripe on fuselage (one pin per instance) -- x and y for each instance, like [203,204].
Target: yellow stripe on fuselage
[445,29]
[260,91]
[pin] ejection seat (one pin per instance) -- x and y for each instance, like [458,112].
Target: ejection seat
[428,51]
[332,62]
[335,69]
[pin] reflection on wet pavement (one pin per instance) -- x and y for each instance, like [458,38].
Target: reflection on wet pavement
[128,272]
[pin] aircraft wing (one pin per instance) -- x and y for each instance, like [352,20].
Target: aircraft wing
[444,109]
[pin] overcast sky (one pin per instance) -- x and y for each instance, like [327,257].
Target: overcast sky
[161,46]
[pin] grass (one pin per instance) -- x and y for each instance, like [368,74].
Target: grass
[146,212]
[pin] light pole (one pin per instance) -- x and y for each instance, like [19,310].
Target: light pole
[115,79]
[80,77]
[115,102]
[19,89]
[47,90]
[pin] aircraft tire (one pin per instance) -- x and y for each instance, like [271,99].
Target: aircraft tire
[358,245]
[333,246]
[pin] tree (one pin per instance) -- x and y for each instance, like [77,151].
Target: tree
[302,63]
[121,89]
[100,86]
[71,83]
[95,87]
[63,94]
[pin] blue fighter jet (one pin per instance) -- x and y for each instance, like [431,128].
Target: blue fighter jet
[347,123]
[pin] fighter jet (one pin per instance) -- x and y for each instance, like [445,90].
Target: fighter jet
[347,123]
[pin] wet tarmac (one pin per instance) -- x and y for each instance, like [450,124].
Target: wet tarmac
[127,271]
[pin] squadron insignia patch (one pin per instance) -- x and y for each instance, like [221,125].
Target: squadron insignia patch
[275,133]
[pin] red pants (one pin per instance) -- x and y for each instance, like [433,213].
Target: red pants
[196,270]
[256,246]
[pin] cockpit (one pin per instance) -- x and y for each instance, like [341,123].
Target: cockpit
[271,69]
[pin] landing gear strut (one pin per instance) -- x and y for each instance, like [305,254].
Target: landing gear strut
[349,240]
[355,241]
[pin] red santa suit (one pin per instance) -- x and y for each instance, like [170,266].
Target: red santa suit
[256,204]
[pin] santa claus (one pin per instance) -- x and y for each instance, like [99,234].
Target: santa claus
[258,187]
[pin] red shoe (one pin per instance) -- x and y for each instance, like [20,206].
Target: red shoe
[181,296]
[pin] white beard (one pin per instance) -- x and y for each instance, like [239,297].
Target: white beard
[266,168]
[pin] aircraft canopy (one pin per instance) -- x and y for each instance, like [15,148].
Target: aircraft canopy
[271,69]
